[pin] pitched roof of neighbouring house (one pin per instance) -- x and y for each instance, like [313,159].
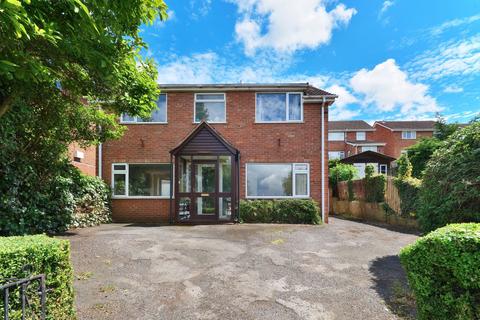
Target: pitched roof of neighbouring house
[352,125]
[426,125]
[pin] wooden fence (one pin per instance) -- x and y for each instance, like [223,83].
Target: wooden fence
[392,198]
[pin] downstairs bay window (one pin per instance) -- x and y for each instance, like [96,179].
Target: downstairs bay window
[278,180]
[140,180]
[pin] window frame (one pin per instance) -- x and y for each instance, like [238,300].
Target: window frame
[368,147]
[151,122]
[364,135]
[380,166]
[209,100]
[404,133]
[294,172]
[126,171]
[341,155]
[287,107]
[342,132]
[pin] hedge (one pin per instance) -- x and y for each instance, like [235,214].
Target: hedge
[297,211]
[45,255]
[375,188]
[443,270]
[409,192]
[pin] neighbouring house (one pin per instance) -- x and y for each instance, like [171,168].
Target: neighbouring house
[84,159]
[380,162]
[208,146]
[399,135]
[346,138]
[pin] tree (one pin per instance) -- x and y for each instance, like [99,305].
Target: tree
[71,50]
[450,190]
[404,167]
[420,153]
[443,129]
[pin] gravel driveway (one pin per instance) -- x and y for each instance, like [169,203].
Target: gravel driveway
[344,270]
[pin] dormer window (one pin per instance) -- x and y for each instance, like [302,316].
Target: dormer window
[279,107]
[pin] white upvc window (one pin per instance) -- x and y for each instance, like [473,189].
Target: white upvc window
[409,135]
[369,148]
[159,115]
[210,107]
[361,135]
[332,155]
[382,168]
[279,107]
[277,180]
[336,136]
[141,180]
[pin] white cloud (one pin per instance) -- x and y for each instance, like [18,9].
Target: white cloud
[387,87]
[200,8]
[453,89]
[284,27]
[436,31]
[386,4]
[458,58]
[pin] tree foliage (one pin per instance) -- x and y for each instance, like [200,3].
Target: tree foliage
[451,184]
[63,52]
[405,168]
[420,153]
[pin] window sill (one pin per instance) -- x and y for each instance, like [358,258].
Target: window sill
[277,122]
[278,197]
[143,122]
[209,122]
[141,198]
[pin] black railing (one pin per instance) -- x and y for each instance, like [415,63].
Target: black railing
[30,290]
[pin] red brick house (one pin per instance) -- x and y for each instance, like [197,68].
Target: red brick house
[400,135]
[208,146]
[85,159]
[347,138]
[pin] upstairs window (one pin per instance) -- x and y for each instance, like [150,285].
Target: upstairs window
[361,135]
[336,136]
[159,115]
[409,135]
[332,155]
[279,107]
[210,107]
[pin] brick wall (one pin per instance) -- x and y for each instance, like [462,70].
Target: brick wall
[88,164]
[394,142]
[151,143]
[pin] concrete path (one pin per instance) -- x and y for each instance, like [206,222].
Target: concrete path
[344,270]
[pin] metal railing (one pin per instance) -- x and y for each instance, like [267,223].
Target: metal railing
[25,294]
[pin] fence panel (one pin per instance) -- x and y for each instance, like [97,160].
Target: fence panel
[392,198]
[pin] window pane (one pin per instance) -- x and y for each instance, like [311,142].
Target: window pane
[119,184]
[119,167]
[205,205]
[301,183]
[225,174]
[294,107]
[210,96]
[271,107]
[336,136]
[361,135]
[160,113]
[149,180]
[269,180]
[210,111]
[205,177]
[369,148]
[184,208]
[127,118]
[225,208]
[185,174]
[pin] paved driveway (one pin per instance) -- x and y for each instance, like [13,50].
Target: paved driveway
[344,270]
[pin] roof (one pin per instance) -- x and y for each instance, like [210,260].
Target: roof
[309,91]
[367,156]
[352,125]
[408,125]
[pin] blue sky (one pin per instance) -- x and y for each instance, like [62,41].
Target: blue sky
[386,59]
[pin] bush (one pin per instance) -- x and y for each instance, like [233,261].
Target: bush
[405,168]
[408,190]
[375,187]
[450,191]
[443,270]
[42,255]
[305,211]
[92,202]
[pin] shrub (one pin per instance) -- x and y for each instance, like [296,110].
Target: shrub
[374,187]
[405,168]
[280,211]
[42,255]
[450,190]
[342,172]
[92,202]
[443,270]
[408,190]
[351,192]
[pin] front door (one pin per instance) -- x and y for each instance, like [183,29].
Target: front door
[205,190]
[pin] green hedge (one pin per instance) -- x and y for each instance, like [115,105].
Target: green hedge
[409,192]
[304,211]
[443,270]
[45,255]
[375,188]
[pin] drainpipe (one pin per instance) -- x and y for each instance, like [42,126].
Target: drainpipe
[323,159]
[172,178]
[99,173]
